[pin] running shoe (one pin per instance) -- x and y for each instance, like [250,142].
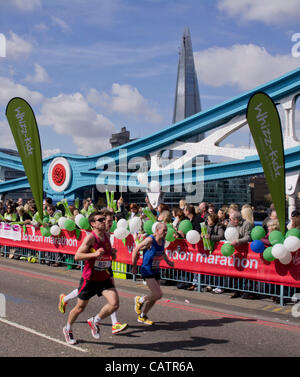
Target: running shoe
[145,320]
[62,305]
[69,336]
[137,305]
[95,328]
[118,327]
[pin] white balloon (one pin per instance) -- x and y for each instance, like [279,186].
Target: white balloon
[193,236]
[143,179]
[55,230]
[121,233]
[154,186]
[279,251]
[135,224]
[292,243]
[231,234]
[122,224]
[61,222]
[78,218]
[287,259]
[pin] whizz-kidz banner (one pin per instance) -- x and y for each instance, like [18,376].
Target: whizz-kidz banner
[244,263]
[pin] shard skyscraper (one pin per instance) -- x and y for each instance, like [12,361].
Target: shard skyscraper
[187,98]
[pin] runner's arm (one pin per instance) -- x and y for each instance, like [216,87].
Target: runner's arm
[84,251]
[168,261]
[135,253]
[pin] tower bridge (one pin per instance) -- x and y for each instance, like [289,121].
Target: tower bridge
[64,175]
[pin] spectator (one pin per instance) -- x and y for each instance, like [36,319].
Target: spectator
[23,216]
[273,216]
[189,212]
[122,212]
[10,213]
[211,209]
[2,209]
[244,228]
[223,217]
[178,217]
[203,207]
[247,214]
[271,225]
[165,217]
[215,231]
[134,210]
[295,220]
[182,204]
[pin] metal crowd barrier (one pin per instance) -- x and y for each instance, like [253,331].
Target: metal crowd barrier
[283,294]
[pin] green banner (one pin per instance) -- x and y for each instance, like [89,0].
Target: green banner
[26,135]
[265,127]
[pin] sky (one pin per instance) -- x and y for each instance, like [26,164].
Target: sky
[90,67]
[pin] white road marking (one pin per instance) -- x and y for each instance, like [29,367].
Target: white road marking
[42,335]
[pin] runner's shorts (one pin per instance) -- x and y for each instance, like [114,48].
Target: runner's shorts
[89,288]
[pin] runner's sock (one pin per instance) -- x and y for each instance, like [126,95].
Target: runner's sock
[69,326]
[114,319]
[71,295]
[142,300]
[97,319]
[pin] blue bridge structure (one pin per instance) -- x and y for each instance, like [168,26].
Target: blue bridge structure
[67,175]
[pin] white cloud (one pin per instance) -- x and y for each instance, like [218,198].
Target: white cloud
[267,11]
[7,140]
[70,115]
[56,21]
[243,66]
[40,75]
[127,100]
[16,46]
[26,5]
[9,89]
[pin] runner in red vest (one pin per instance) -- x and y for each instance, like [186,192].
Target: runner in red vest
[96,251]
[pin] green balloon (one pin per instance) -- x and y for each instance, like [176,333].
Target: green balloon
[227,249]
[84,223]
[185,226]
[69,225]
[170,233]
[46,220]
[113,227]
[267,254]
[257,233]
[293,232]
[45,232]
[276,237]
[148,226]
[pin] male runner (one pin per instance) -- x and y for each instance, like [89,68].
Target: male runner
[153,253]
[95,277]
[64,299]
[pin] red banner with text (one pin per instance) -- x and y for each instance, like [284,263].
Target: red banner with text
[244,263]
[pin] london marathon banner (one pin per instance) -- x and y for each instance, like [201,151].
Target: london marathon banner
[244,263]
[26,135]
[265,126]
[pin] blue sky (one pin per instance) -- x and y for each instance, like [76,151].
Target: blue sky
[90,67]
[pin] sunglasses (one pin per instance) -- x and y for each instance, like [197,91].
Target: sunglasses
[100,220]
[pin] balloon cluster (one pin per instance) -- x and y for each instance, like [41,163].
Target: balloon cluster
[282,246]
[231,234]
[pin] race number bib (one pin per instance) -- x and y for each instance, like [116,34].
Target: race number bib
[102,265]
